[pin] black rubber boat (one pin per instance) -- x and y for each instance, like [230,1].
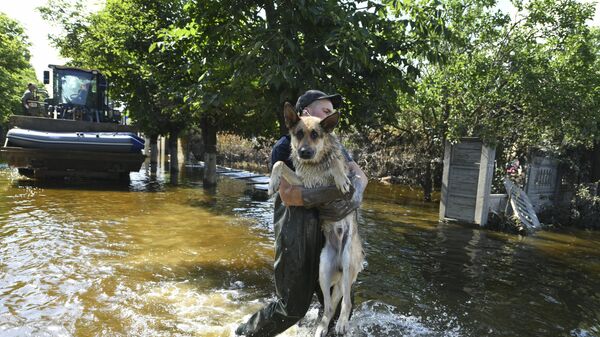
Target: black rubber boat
[120,142]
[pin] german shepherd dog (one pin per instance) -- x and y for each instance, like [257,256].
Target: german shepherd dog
[317,157]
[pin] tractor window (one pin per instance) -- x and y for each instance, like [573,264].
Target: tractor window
[75,87]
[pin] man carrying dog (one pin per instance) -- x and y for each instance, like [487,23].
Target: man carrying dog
[298,236]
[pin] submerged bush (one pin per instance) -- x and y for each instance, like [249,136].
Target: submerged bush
[585,206]
[381,154]
[239,152]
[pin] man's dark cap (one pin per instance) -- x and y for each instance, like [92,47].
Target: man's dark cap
[313,95]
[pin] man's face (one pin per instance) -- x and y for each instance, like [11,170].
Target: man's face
[320,108]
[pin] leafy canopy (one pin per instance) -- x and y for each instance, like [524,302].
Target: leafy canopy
[15,69]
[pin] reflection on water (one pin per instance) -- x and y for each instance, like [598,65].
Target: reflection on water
[164,257]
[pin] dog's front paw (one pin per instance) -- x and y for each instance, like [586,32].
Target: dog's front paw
[273,185]
[341,327]
[321,331]
[343,184]
[275,177]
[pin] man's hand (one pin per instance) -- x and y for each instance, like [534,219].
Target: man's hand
[291,195]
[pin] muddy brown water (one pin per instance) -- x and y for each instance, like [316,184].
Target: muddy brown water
[164,257]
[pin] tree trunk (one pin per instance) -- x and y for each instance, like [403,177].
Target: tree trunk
[153,149]
[209,136]
[426,182]
[173,151]
[283,130]
[285,95]
[184,148]
[281,93]
[445,116]
[595,174]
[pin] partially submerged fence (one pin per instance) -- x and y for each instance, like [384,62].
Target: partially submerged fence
[542,182]
[467,180]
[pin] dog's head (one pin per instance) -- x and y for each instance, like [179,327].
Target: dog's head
[309,135]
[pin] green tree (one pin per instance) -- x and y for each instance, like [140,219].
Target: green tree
[15,69]
[594,43]
[116,40]
[521,83]
[252,56]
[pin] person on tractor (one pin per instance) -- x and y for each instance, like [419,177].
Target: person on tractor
[28,99]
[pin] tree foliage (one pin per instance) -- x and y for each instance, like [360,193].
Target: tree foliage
[526,81]
[15,69]
[238,61]
[431,69]
[116,40]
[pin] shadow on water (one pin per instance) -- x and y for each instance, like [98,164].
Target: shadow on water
[143,181]
[139,181]
[162,256]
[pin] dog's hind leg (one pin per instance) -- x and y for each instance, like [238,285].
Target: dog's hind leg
[326,275]
[348,277]
[336,295]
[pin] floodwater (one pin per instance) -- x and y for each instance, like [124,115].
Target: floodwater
[165,257]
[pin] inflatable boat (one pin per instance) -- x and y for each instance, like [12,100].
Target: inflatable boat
[121,142]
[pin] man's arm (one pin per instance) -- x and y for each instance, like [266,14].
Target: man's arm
[296,195]
[24,100]
[339,209]
[291,195]
[360,184]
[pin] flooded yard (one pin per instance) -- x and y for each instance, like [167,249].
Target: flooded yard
[164,257]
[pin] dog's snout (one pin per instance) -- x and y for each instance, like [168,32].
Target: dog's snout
[306,153]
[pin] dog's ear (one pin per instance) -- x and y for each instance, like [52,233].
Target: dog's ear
[290,115]
[329,122]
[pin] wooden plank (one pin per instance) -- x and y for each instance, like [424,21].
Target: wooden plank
[466,153]
[521,206]
[467,195]
[248,177]
[462,209]
[463,202]
[484,183]
[463,180]
[445,177]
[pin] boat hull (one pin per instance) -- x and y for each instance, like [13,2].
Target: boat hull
[116,142]
[48,149]
[44,163]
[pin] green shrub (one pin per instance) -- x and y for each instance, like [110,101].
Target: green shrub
[585,206]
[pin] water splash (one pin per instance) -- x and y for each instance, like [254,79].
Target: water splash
[585,333]
[377,319]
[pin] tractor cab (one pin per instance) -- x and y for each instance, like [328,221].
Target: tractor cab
[79,94]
